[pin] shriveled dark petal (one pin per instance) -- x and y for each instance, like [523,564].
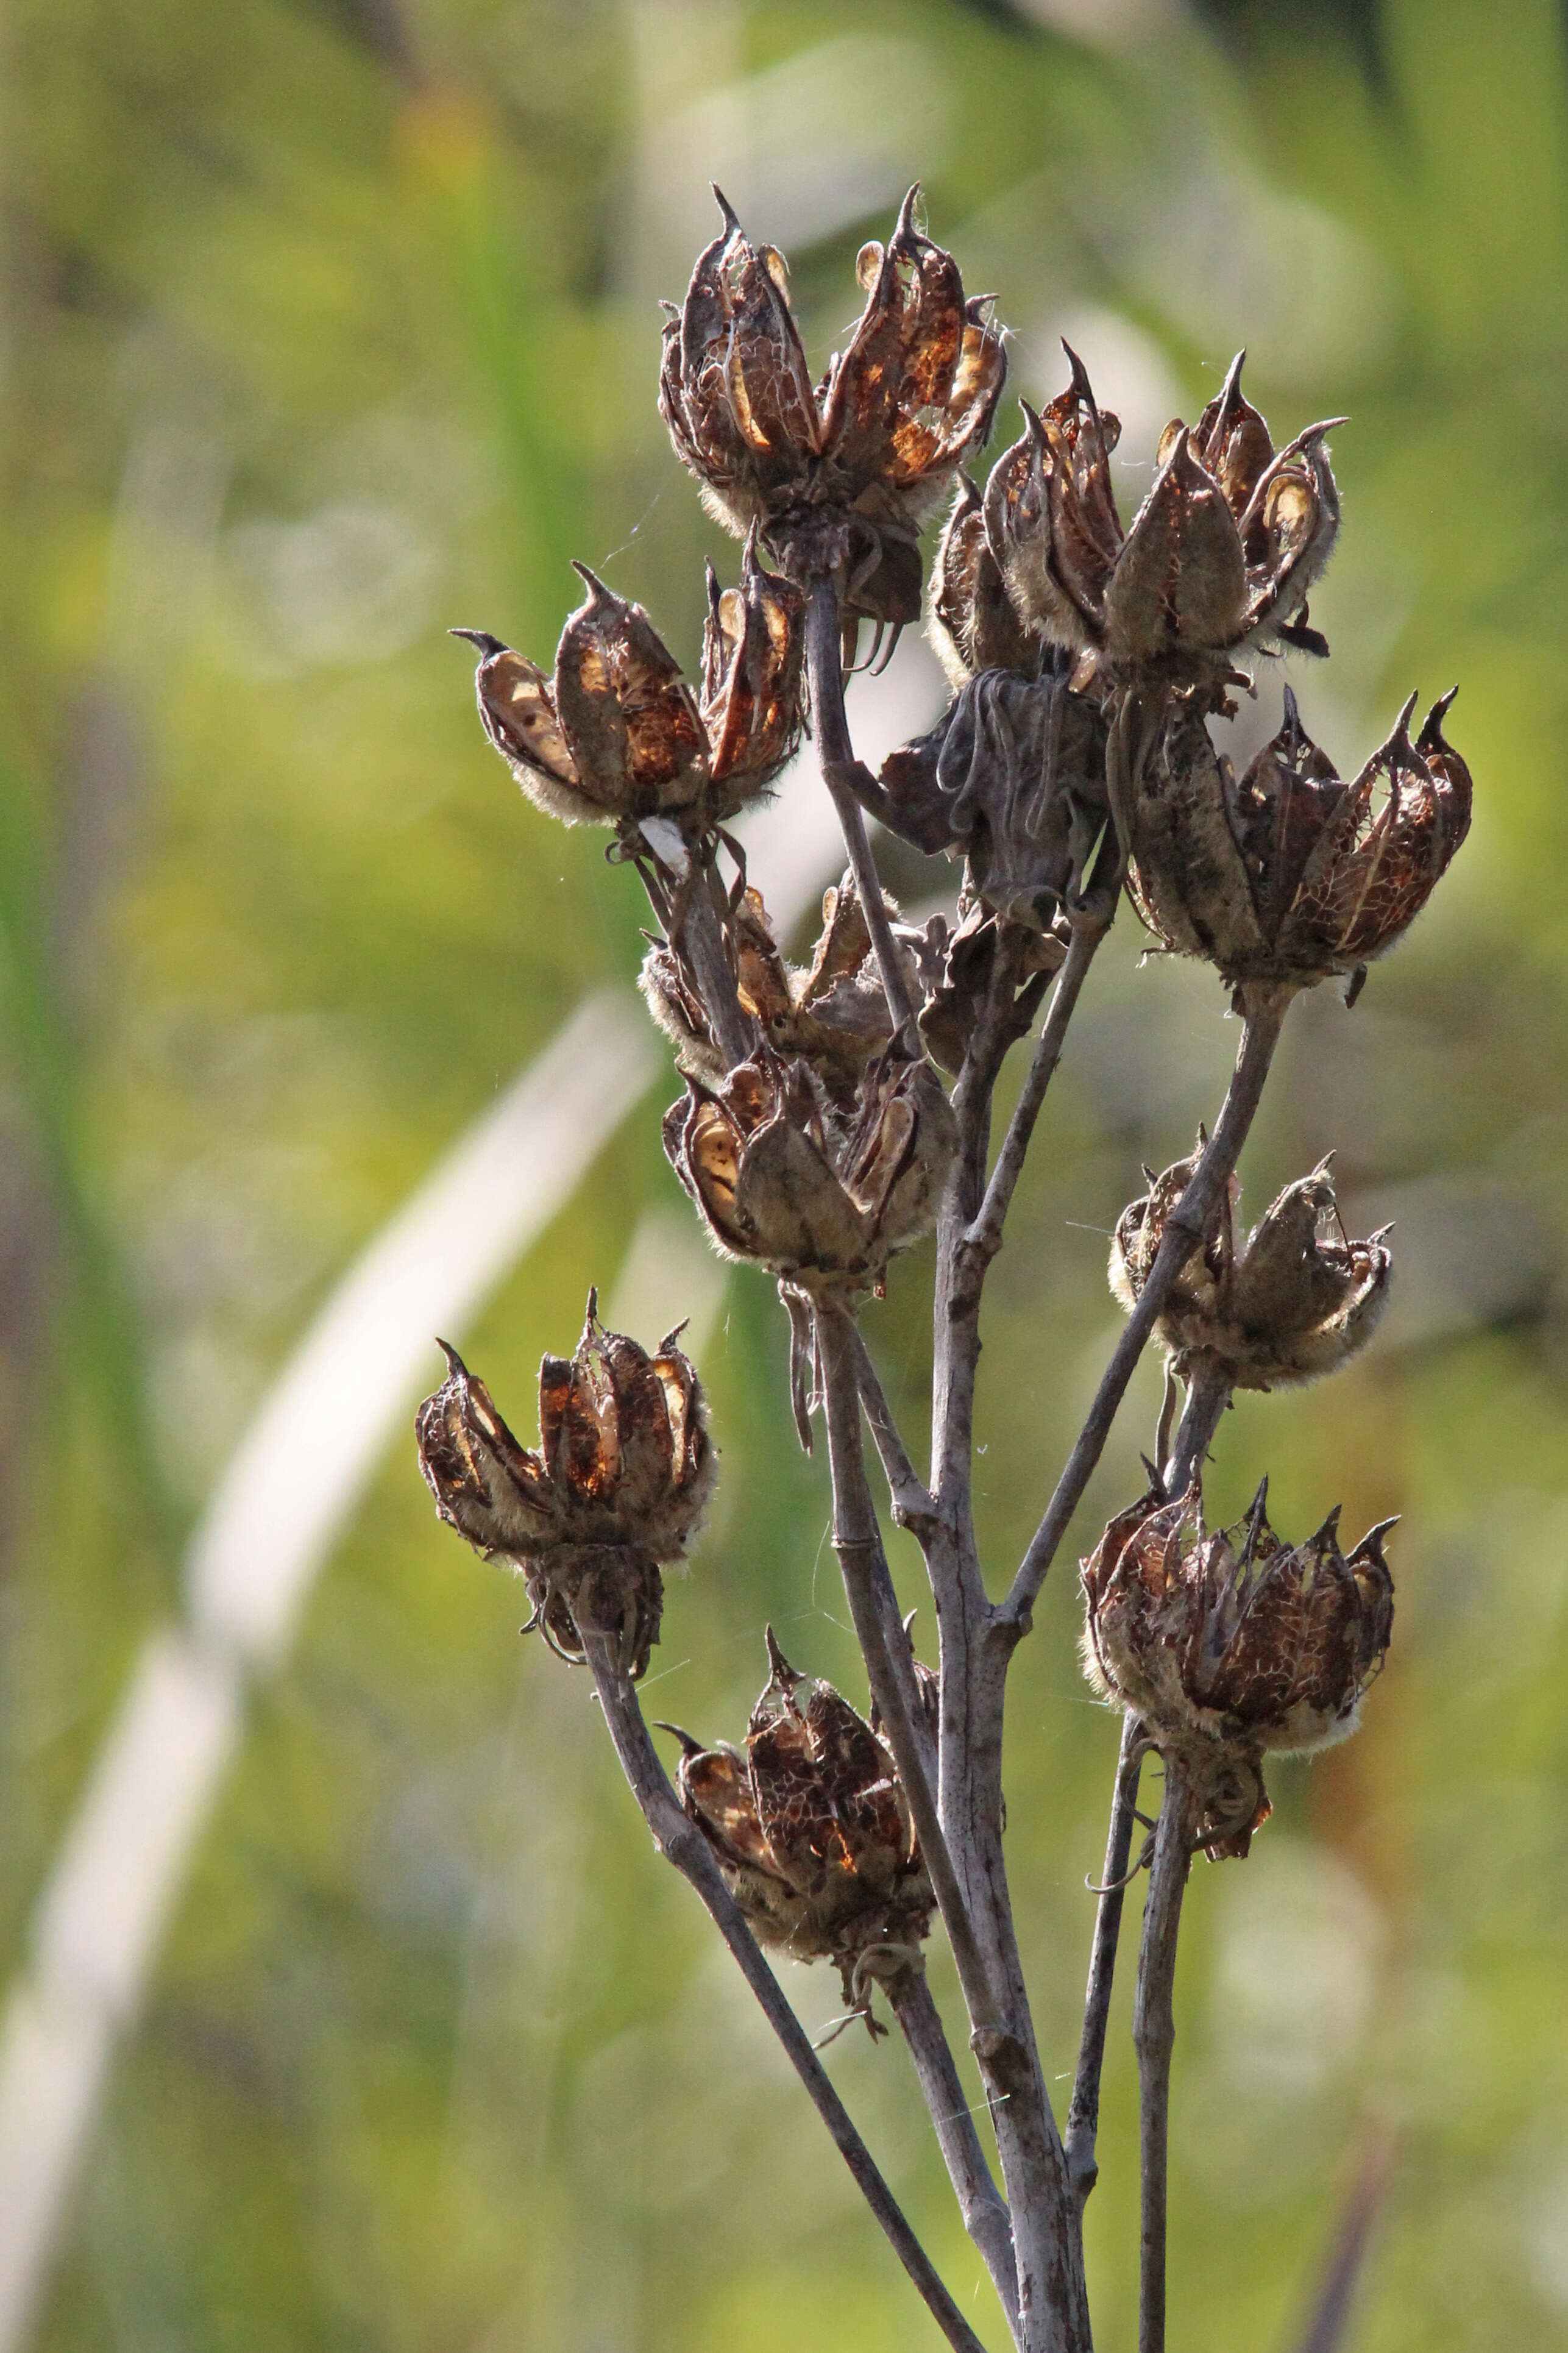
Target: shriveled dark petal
[490,1489]
[752,650]
[735,390]
[1180,585]
[630,719]
[1232,441]
[973,622]
[1374,868]
[1024,763]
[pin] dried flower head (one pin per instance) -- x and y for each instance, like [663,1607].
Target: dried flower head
[1291,875]
[788,1181]
[1219,556]
[1235,1645]
[620,1480]
[854,465]
[1294,1299]
[812,1830]
[617,734]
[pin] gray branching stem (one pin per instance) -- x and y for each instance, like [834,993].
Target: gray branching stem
[825,665]
[985,1234]
[1208,1398]
[1154,2032]
[684,1845]
[907,1491]
[873,1606]
[984,2210]
[1265,1015]
[1083,2113]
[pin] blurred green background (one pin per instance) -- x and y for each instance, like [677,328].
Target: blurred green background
[329,322]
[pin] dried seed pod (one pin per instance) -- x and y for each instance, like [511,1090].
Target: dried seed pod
[622,1476]
[812,1830]
[855,466]
[617,735]
[1219,557]
[1294,1299]
[751,653]
[1236,1635]
[1234,1645]
[1292,875]
[783,1179]
[971,620]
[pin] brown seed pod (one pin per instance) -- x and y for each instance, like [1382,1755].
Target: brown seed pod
[1233,1645]
[1291,1301]
[1219,557]
[1291,874]
[855,466]
[617,734]
[623,1473]
[787,1180]
[812,1831]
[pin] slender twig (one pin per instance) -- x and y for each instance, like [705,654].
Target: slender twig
[1208,1398]
[873,1606]
[1154,2032]
[837,753]
[984,2209]
[1083,2113]
[985,1233]
[1185,1231]
[685,1846]
[910,1497]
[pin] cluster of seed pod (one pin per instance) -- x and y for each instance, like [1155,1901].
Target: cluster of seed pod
[1088,661]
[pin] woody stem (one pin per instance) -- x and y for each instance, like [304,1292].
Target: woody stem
[889,1664]
[1154,2033]
[684,1845]
[1207,1398]
[984,2209]
[825,667]
[1265,1015]
[1083,2111]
